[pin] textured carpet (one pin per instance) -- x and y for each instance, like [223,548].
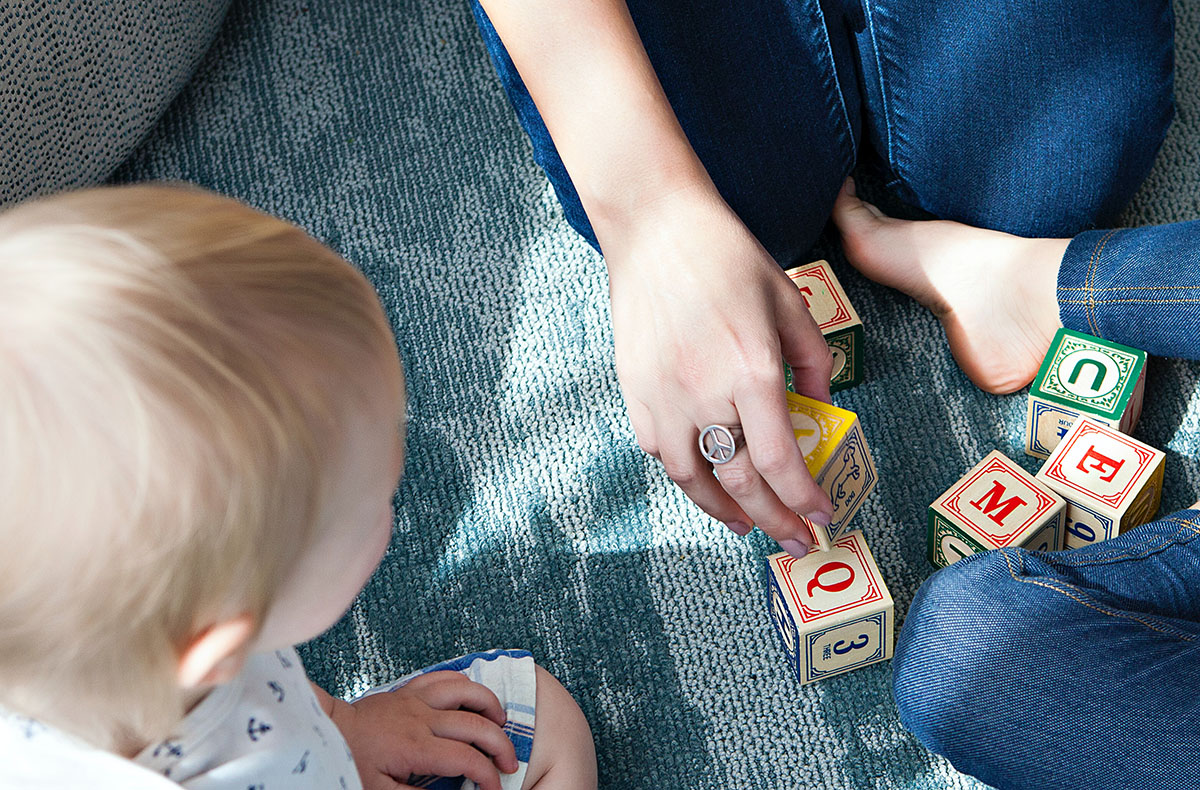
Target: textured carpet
[528,516]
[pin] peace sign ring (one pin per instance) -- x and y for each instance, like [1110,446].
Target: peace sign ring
[719,443]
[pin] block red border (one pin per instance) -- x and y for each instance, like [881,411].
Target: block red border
[842,314]
[1044,503]
[871,595]
[1086,428]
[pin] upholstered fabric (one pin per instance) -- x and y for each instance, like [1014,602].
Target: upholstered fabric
[82,82]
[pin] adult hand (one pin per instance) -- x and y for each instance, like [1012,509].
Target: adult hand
[438,724]
[702,316]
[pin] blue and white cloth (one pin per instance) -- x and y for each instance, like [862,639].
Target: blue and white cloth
[263,730]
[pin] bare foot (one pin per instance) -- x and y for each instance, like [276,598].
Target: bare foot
[995,294]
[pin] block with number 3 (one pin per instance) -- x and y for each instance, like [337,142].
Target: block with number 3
[996,504]
[1112,482]
[836,318]
[836,452]
[831,609]
[1083,376]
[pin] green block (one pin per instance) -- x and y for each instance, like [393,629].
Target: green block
[1091,375]
[846,347]
[847,358]
[941,532]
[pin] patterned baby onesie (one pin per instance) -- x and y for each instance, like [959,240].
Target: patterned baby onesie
[262,731]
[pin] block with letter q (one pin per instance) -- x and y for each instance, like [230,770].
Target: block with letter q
[831,609]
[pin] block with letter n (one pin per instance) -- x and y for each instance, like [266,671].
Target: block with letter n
[837,456]
[1083,376]
[836,318]
[1112,482]
[831,609]
[995,505]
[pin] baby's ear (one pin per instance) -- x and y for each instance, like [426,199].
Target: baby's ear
[216,654]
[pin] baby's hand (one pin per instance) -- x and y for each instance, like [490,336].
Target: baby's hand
[438,724]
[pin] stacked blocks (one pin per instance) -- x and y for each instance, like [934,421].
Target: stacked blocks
[831,609]
[1083,376]
[835,317]
[837,456]
[996,504]
[1111,482]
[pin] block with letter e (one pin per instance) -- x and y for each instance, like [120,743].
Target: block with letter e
[836,318]
[837,456]
[831,609]
[1112,482]
[996,504]
[1083,376]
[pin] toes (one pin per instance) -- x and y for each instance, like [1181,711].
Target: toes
[865,236]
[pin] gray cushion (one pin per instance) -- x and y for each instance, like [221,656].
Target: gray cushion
[82,83]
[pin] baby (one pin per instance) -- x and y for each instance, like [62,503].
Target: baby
[201,429]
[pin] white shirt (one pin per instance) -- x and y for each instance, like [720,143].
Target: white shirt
[262,731]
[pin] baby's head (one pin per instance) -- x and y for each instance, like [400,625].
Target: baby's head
[200,431]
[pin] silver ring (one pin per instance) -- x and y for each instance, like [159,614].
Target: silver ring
[718,443]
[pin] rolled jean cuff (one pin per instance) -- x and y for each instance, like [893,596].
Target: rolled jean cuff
[1137,286]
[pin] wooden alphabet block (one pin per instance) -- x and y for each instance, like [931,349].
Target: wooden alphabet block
[837,456]
[1112,482]
[832,610]
[994,505]
[836,318]
[1083,375]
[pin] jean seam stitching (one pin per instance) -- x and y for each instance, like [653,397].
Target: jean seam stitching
[1093,264]
[1129,301]
[1136,288]
[1077,595]
[883,97]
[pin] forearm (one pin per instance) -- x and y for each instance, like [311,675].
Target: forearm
[587,71]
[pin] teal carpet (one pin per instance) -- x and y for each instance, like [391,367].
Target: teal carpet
[528,517]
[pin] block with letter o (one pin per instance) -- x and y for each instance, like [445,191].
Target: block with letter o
[831,609]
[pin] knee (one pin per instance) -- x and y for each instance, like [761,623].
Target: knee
[954,657]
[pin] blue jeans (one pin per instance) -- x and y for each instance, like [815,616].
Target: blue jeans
[1137,286]
[1062,670]
[1037,117]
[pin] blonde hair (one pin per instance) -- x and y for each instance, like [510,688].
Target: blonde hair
[177,372]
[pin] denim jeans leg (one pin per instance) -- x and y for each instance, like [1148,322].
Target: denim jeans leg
[765,91]
[1137,286]
[1062,670]
[1032,117]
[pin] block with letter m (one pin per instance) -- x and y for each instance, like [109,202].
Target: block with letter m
[996,504]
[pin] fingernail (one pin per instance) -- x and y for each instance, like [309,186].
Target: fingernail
[820,519]
[739,528]
[796,548]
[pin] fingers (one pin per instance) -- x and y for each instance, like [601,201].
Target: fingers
[685,465]
[479,732]
[804,348]
[777,458]
[454,758]
[449,690]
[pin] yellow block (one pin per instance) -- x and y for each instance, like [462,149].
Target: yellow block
[819,428]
